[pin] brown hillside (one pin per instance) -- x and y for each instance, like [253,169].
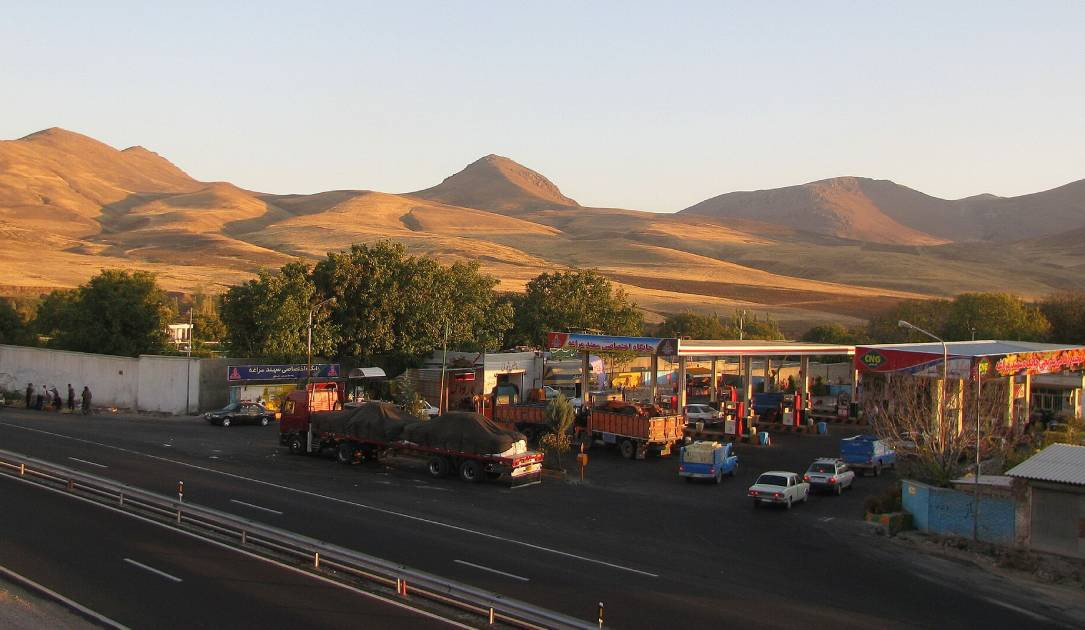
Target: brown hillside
[497,183]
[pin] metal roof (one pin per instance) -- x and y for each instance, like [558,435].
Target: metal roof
[760,347]
[978,348]
[1061,463]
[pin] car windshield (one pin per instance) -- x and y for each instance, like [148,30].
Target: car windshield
[231,407]
[772,480]
[822,467]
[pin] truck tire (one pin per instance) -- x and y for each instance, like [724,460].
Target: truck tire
[471,471]
[296,445]
[263,421]
[226,421]
[628,449]
[345,453]
[437,466]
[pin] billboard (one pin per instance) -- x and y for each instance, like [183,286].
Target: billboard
[605,343]
[292,372]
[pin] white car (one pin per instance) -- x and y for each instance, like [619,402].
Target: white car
[431,411]
[780,487]
[551,392]
[829,473]
[701,413]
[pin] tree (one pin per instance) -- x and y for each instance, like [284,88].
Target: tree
[1066,313]
[269,317]
[13,328]
[994,316]
[834,334]
[394,309]
[573,300]
[408,398]
[559,416]
[696,326]
[115,312]
[928,314]
[755,328]
[932,446]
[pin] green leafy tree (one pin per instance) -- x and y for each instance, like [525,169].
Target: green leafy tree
[834,334]
[408,398]
[995,316]
[573,300]
[1066,313]
[931,315]
[393,309]
[697,326]
[269,317]
[559,414]
[13,328]
[754,327]
[115,312]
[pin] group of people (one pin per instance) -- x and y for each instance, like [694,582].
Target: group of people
[48,399]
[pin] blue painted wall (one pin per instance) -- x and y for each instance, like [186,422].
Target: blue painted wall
[950,512]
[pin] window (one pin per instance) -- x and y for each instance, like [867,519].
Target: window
[288,407]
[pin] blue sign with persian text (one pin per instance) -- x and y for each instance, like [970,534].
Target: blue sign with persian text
[291,372]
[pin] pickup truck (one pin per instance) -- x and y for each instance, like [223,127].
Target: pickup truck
[779,487]
[867,452]
[707,460]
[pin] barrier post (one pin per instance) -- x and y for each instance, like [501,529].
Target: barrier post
[600,614]
[22,470]
[180,491]
[491,615]
[316,560]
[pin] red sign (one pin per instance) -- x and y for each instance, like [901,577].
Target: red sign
[1040,362]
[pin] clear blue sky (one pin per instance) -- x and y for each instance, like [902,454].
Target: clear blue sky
[653,106]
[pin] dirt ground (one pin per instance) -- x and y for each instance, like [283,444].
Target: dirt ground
[23,610]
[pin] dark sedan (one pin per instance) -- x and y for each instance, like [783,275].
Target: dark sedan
[241,413]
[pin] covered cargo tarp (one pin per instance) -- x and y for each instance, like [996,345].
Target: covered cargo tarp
[465,432]
[379,421]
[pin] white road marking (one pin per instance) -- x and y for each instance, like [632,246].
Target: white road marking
[25,581]
[153,570]
[83,461]
[1018,609]
[479,566]
[256,507]
[249,554]
[373,508]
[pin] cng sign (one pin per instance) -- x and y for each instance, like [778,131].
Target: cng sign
[873,359]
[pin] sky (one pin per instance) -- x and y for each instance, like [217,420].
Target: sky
[651,106]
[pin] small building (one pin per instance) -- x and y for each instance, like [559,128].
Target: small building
[468,376]
[180,335]
[1052,489]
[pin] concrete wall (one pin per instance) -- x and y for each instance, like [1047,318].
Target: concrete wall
[950,512]
[149,383]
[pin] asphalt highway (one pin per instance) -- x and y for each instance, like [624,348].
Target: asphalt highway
[655,551]
[141,575]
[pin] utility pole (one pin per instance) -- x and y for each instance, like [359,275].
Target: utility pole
[188,364]
[442,402]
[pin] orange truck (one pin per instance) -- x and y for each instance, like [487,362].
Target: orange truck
[635,429]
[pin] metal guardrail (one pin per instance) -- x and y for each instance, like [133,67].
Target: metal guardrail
[320,556]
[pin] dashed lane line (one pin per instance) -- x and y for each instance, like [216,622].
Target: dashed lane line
[256,507]
[479,566]
[172,578]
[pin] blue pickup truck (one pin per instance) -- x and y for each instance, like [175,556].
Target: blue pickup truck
[707,460]
[867,452]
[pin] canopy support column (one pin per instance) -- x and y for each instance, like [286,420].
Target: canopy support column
[714,392]
[585,378]
[804,386]
[681,384]
[655,377]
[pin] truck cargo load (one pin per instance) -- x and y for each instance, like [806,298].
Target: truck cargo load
[378,421]
[465,432]
[707,460]
[636,429]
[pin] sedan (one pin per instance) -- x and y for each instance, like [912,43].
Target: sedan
[830,474]
[701,413]
[779,487]
[241,413]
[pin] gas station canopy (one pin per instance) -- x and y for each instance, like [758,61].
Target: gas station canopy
[694,348]
[970,358]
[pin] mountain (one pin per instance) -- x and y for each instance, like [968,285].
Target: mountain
[837,250]
[497,184]
[881,211]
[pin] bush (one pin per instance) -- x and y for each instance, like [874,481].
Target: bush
[886,502]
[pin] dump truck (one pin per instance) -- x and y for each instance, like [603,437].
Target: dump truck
[707,460]
[634,428]
[461,443]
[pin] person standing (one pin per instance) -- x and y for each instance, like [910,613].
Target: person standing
[29,394]
[86,400]
[71,398]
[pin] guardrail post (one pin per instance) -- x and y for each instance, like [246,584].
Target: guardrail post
[120,498]
[71,484]
[316,560]
[600,614]
[22,469]
[491,615]
[242,537]
[178,515]
[180,491]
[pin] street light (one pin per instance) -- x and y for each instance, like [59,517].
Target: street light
[309,341]
[945,379]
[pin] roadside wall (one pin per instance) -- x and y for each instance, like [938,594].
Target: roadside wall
[148,383]
[950,512]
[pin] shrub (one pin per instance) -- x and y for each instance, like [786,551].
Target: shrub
[886,502]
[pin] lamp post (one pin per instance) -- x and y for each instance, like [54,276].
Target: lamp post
[945,379]
[309,342]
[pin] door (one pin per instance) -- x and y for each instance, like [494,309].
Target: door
[1057,522]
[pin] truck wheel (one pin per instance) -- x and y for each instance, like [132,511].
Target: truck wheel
[471,471]
[297,445]
[437,466]
[345,453]
[226,421]
[628,449]
[263,421]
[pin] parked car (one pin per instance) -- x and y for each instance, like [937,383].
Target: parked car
[779,487]
[829,473]
[701,413]
[431,411]
[241,413]
[551,392]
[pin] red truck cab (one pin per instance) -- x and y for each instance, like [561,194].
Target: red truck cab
[299,403]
